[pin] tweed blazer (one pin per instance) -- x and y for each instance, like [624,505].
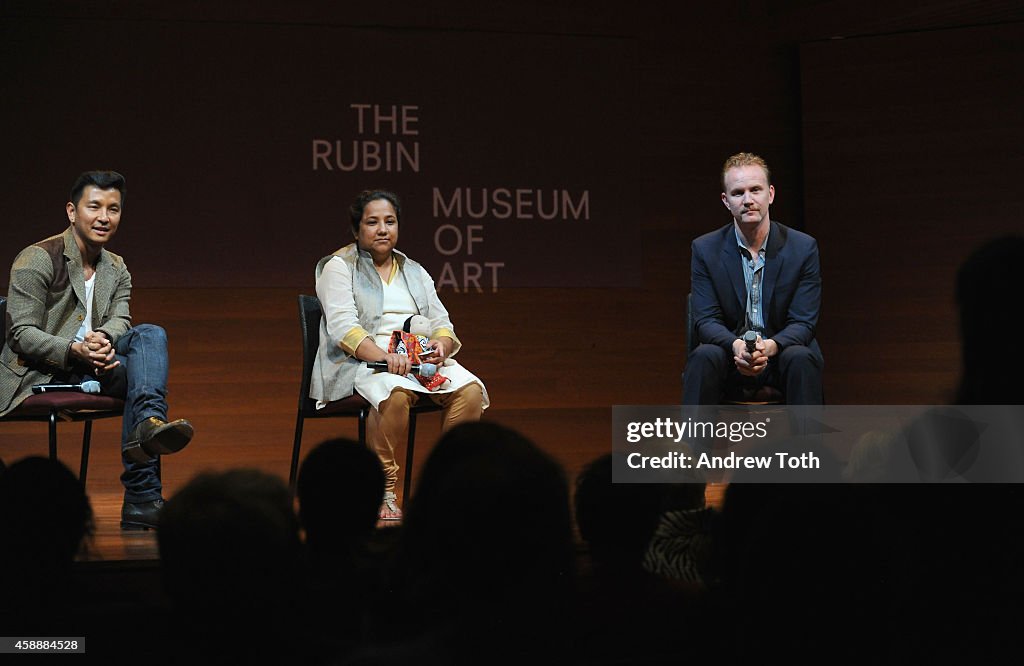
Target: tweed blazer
[334,370]
[46,307]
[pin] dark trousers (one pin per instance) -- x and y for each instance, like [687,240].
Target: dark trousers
[710,373]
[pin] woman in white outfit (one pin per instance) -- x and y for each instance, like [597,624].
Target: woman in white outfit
[367,289]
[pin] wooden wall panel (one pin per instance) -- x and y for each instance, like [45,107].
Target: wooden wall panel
[912,143]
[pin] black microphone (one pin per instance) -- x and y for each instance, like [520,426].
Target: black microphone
[89,386]
[750,339]
[421,369]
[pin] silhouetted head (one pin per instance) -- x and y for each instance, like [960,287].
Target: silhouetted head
[229,539]
[44,515]
[340,488]
[617,520]
[988,323]
[489,521]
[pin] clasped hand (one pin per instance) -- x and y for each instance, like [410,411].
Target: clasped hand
[751,364]
[96,351]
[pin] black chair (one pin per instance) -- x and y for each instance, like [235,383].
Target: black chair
[740,395]
[72,407]
[353,406]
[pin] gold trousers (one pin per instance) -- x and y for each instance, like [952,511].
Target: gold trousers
[389,424]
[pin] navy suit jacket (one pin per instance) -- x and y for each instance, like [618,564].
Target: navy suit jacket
[791,288]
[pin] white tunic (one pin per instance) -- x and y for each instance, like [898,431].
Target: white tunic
[376,386]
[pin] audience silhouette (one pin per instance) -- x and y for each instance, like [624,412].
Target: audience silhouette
[45,518]
[486,563]
[965,590]
[339,488]
[624,614]
[230,557]
[680,547]
[988,324]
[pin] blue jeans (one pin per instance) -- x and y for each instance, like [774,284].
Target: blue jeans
[141,382]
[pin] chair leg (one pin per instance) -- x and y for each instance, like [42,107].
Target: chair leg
[296,446]
[409,451]
[84,466]
[53,434]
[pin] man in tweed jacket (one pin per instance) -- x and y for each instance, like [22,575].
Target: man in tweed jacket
[68,321]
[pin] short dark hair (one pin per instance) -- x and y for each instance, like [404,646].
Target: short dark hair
[340,487]
[355,211]
[105,180]
[983,316]
[229,538]
[44,514]
[617,520]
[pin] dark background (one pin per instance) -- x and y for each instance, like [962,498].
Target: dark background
[214,123]
[893,131]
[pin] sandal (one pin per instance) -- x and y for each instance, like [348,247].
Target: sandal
[389,507]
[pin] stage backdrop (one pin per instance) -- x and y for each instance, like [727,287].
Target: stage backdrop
[912,146]
[243,143]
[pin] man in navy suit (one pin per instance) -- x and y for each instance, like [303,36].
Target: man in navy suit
[759,275]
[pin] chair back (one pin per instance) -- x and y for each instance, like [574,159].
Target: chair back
[309,321]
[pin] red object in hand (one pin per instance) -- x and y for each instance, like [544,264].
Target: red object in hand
[410,345]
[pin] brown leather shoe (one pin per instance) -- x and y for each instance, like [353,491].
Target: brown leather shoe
[141,516]
[154,437]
